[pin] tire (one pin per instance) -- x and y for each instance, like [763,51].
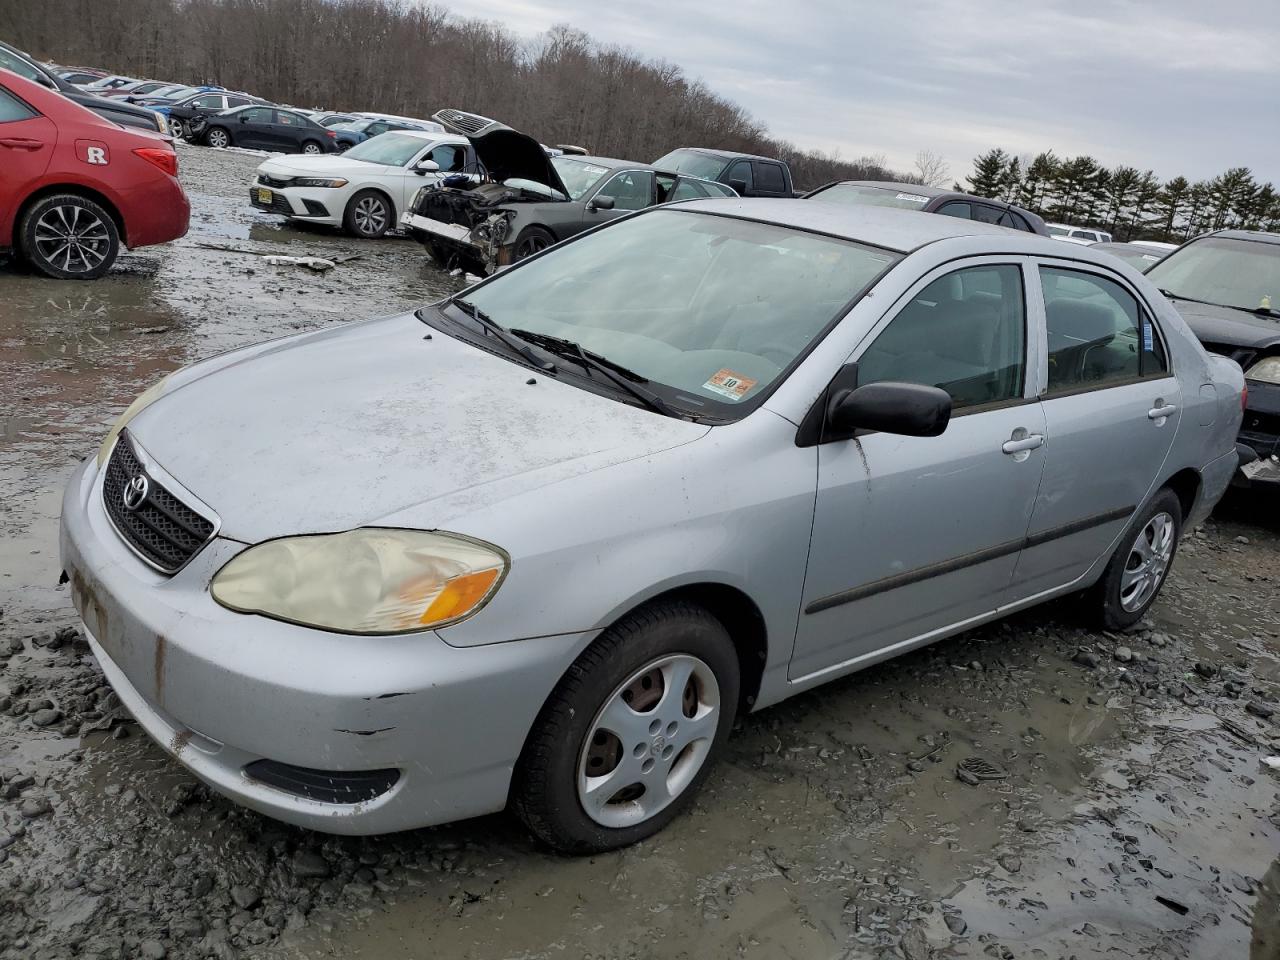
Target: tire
[667,752]
[45,227]
[1123,595]
[368,215]
[217,137]
[311,148]
[530,241]
[177,129]
[437,253]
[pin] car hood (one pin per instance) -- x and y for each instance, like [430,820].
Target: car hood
[511,155]
[327,166]
[1237,328]
[344,428]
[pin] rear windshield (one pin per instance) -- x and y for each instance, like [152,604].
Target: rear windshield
[871,196]
[693,163]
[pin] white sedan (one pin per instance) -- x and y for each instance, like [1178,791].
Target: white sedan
[365,189]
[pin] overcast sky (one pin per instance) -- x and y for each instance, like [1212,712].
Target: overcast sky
[1177,86]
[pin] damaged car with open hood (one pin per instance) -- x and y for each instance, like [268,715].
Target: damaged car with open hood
[530,200]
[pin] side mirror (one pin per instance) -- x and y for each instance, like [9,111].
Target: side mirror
[908,409]
[423,167]
[600,203]
[244,118]
[739,186]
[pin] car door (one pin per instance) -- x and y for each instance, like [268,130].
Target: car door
[287,131]
[205,105]
[27,140]
[628,189]
[1111,407]
[739,177]
[404,184]
[252,128]
[769,179]
[915,534]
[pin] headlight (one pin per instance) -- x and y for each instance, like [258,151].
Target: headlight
[146,399]
[317,182]
[367,581]
[161,126]
[1266,370]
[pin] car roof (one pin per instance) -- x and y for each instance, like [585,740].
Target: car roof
[728,154]
[429,136]
[613,163]
[1257,236]
[887,227]
[918,189]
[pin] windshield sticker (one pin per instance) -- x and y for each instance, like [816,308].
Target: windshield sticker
[730,385]
[914,198]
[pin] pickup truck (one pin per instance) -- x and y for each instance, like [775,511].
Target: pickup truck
[749,175]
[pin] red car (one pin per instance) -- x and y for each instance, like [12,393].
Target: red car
[74,187]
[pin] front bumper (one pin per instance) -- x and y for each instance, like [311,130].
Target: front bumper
[313,204]
[219,690]
[456,235]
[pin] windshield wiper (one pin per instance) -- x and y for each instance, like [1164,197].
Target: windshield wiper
[1260,311]
[620,376]
[512,340]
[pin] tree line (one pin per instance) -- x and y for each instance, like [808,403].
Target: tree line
[396,56]
[1131,204]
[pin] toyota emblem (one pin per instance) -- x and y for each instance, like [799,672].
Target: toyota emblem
[135,491]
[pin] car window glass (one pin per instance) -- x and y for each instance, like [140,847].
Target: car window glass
[287,119]
[450,157]
[631,190]
[1097,334]
[256,115]
[741,170]
[237,101]
[374,129]
[956,208]
[984,214]
[687,190]
[1017,221]
[209,100]
[11,108]
[20,67]
[965,333]
[769,177]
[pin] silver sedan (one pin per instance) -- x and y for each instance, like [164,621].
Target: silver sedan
[537,544]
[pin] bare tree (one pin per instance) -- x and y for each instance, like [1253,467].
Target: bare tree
[931,169]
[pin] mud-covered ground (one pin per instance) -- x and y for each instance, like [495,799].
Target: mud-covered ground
[1137,818]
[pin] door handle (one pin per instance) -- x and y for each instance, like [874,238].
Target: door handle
[1029,442]
[1159,413]
[20,143]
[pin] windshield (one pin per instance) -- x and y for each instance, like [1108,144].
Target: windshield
[1233,273]
[693,163]
[578,176]
[356,125]
[392,149]
[871,196]
[710,309]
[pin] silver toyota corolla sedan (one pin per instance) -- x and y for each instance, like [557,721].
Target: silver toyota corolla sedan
[536,545]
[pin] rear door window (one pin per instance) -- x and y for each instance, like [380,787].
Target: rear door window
[985,214]
[287,119]
[1098,333]
[769,177]
[956,208]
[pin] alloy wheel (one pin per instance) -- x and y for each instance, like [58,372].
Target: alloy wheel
[648,741]
[218,138]
[1147,563]
[531,245]
[72,239]
[310,148]
[176,129]
[370,216]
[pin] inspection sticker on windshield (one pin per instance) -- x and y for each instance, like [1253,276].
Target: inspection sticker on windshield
[730,385]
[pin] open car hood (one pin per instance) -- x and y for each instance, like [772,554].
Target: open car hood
[506,153]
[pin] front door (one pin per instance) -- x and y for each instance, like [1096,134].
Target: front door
[915,534]
[26,147]
[1111,409]
[629,190]
[253,128]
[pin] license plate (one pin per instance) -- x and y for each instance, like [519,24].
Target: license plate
[264,196]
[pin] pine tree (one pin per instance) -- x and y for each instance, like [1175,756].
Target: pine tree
[1170,204]
[989,171]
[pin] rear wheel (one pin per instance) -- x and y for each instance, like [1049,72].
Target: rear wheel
[311,147]
[630,732]
[69,237]
[368,215]
[1138,568]
[218,138]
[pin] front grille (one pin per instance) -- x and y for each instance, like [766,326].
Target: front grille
[160,527]
[273,181]
[325,786]
[461,120]
[279,203]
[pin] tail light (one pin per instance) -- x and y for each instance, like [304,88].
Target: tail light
[1244,397]
[331,135]
[166,160]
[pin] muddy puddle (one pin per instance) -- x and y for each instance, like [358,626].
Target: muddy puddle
[1130,814]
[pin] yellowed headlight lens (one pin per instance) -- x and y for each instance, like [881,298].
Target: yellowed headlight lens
[145,399]
[367,581]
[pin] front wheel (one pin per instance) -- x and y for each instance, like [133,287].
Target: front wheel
[1138,568]
[69,237]
[177,129]
[630,732]
[218,138]
[368,215]
[530,241]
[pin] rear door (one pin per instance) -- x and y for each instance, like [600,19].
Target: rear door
[1111,408]
[287,131]
[27,141]
[769,178]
